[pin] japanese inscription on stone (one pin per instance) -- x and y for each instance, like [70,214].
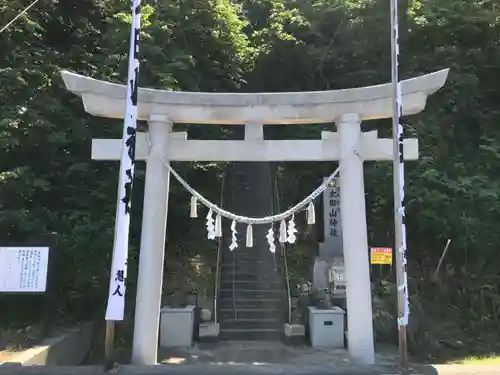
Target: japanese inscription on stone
[332,222]
[23,269]
[333,227]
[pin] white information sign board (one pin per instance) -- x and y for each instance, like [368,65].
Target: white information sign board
[23,269]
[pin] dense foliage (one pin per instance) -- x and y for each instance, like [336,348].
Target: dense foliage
[48,182]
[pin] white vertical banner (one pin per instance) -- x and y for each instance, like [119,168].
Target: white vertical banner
[117,284]
[401,246]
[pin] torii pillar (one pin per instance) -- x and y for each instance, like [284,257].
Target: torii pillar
[152,249]
[355,240]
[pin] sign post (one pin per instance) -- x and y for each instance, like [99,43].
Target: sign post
[381,255]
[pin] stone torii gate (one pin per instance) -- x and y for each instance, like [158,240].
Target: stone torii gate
[346,108]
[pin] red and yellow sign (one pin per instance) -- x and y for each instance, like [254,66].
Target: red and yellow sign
[381,255]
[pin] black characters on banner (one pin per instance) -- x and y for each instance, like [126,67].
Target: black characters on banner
[117,287]
[402,251]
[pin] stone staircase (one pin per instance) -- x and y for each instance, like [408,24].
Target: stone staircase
[250,297]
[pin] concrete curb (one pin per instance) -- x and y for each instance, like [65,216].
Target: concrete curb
[243,369]
[51,370]
[271,369]
[457,369]
[246,369]
[68,348]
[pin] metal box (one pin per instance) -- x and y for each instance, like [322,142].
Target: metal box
[326,327]
[176,327]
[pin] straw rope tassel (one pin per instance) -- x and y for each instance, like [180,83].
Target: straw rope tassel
[311,214]
[249,241]
[218,226]
[194,207]
[282,238]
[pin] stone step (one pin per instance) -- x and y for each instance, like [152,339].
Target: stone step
[251,334]
[249,261]
[247,310]
[268,323]
[250,284]
[264,273]
[262,269]
[251,302]
[228,312]
[250,269]
[259,249]
[250,293]
[246,282]
[268,267]
[250,310]
[263,257]
[251,256]
[247,276]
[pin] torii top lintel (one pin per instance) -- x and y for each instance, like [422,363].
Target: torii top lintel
[107,99]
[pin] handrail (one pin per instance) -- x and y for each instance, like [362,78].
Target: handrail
[219,248]
[283,250]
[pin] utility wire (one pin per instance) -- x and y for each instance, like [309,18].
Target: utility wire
[19,15]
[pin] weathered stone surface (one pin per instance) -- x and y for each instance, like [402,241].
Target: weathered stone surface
[69,348]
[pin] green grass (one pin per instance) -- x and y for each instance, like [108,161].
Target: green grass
[483,360]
